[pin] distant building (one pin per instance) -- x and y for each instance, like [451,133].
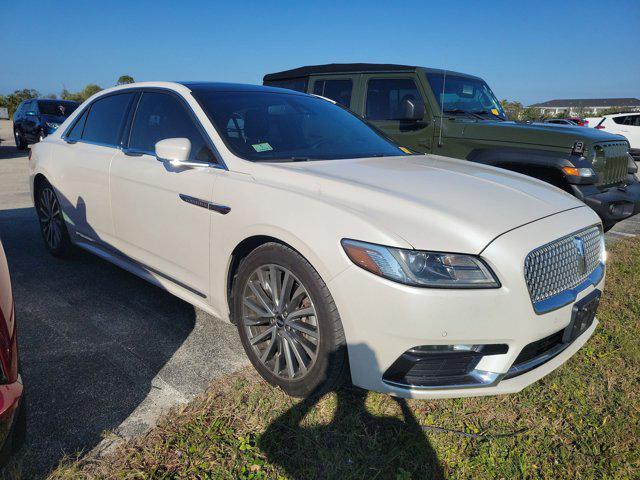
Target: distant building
[576,106]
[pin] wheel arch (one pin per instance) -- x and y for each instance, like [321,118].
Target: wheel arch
[243,249]
[545,165]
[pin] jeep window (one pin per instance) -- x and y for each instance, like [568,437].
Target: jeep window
[338,90]
[105,119]
[386,97]
[56,108]
[297,84]
[268,126]
[464,94]
[161,116]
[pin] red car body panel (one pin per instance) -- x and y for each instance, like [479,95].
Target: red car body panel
[11,388]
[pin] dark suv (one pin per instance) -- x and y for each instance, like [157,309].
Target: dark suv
[36,118]
[457,115]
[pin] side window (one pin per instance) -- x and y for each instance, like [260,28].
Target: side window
[636,120]
[76,132]
[338,90]
[619,120]
[161,116]
[105,119]
[386,97]
[297,84]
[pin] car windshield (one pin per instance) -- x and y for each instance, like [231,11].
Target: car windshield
[56,108]
[464,95]
[270,126]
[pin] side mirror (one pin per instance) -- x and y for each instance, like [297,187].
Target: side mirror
[412,109]
[174,150]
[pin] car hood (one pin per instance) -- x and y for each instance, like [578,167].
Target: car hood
[558,136]
[432,202]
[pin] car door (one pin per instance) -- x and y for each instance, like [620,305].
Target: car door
[630,128]
[83,186]
[30,120]
[158,209]
[387,98]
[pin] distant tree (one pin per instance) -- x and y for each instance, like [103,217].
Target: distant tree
[52,96]
[125,79]
[512,109]
[530,115]
[12,100]
[82,95]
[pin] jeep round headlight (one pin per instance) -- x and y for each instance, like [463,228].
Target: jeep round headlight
[421,268]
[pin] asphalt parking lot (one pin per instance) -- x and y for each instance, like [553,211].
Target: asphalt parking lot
[101,350]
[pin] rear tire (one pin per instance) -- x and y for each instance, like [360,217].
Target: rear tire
[21,143]
[52,224]
[294,338]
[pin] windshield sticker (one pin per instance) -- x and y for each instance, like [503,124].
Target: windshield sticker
[262,147]
[405,150]
[495,111]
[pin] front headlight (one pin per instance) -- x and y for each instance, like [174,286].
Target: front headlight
[421,268]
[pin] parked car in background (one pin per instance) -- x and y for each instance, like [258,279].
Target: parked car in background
[457,115]
[625,124]
[574,121]
[323,241]
[561,121]
[36,118]
[12,418]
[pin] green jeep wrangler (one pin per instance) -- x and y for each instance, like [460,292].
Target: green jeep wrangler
[457,115]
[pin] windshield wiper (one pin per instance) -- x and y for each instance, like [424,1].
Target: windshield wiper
[488,112]
[466,112]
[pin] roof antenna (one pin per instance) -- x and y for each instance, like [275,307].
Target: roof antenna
[444,83]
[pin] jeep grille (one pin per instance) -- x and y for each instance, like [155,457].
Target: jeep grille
[557,266]
[611,162]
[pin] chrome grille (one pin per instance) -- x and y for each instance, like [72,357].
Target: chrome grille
[558,266]
[611,162]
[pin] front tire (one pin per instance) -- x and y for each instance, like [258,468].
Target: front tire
[288,322]
[52,224]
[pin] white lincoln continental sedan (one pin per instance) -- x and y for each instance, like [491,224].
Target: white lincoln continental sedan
[335,252]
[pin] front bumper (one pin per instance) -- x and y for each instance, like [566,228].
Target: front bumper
[614,204]
[383,319]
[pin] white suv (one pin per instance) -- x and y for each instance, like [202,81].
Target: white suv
[627,125]
[334,252]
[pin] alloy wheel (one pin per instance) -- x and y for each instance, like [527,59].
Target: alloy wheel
[50,218]
[280,321]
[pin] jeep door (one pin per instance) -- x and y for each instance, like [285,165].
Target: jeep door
[160,212]
[395,103]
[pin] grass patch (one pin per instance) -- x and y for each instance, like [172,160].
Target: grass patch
[579,422]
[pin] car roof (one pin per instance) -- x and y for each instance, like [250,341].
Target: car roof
[338,68]
[233,87]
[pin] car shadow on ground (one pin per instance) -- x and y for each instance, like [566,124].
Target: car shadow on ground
[92,340]
[355,444]
[8,150]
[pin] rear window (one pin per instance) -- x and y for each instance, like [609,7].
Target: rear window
[106,118]
[338,90]
[56,108]
[297,84]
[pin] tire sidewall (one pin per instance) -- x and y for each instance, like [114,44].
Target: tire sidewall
[65,245]
[281,255]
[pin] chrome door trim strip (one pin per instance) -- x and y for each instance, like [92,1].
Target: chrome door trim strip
[198,202]
[109,250]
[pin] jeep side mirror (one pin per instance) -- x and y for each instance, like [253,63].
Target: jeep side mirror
[411,109]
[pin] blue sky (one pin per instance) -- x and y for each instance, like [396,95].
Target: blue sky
[527,51]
